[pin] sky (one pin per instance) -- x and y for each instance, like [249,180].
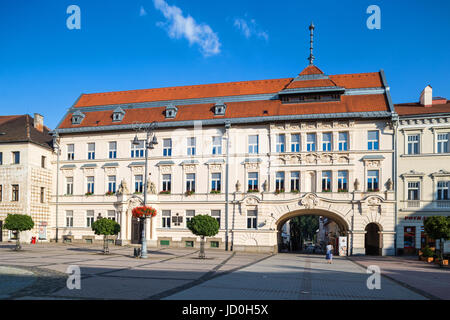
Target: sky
[140,44]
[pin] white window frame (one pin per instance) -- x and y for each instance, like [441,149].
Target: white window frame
[252,179]
[112,152]
[69,218]
[295,181]
[341,179]
[167,150]
[373,141]
[413,143]
[295,145]
[217,214]
[112,183]
[166,183]
[217,145]
[216,183]
[343,144]
[166,216]
[190,182]
[327,145]
[71,151]
[138,183]
[280,143]
[69,185]
[90,218]
[252,219]
[191,146]
[90,184]
[253,148]
[311,145]
[443,143]
[91,153]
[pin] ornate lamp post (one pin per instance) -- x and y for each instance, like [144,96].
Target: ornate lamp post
[148,144]
[56,147]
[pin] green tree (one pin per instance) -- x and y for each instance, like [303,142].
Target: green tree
[203,226]
[105,227]
[438,227]
[303,228]
[18,223]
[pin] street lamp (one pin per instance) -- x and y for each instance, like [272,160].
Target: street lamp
[56,146]
[149,129]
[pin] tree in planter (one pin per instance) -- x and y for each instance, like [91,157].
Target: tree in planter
[105,227]
[203,226]
[18,223]
[438,227]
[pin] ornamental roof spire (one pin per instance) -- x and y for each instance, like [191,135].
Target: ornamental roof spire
[311,35]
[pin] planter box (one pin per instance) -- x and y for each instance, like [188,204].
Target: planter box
[429,259]
[445,262]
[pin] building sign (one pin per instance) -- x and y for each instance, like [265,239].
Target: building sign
[43,231]
[415,218]
[342,246]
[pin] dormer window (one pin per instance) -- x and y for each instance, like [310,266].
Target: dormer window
[219,109]
[118,114]
[77,117]
[171,111]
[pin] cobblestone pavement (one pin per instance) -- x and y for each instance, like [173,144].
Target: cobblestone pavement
[297,277]
[426,278]
[39,271]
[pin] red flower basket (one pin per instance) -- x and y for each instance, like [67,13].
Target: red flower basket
[142,212]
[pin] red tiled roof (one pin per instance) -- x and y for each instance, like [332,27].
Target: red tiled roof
[311,83]
[355,103]
[311,69]
[415,108]
[183,92]
[358,80]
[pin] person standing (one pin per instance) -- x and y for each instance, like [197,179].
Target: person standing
[329,251]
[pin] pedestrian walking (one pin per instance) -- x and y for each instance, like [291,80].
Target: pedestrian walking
[329,255]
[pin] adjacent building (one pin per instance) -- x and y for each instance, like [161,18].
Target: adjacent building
[423,147]
[25,173]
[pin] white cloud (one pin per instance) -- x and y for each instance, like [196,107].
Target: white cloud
[142,12]
[179,26]
[250,28]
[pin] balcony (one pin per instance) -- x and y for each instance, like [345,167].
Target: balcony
[423,205]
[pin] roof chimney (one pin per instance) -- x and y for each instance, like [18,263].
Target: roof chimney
[38,122]
[426,97]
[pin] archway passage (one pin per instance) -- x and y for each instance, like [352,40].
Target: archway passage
[328,228]
[372,239]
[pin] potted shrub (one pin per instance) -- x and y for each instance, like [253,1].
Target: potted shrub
[189,193]
[278,191]
[295,191]
[427,254]
[203,226]
[165,192]
[110,193]
[438,227]
[342,190]
[87,194]
[215,191]
[252,190]
[18,223]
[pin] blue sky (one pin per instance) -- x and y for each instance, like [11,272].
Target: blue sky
[138,44]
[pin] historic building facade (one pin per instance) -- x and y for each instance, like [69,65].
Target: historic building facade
[313,144]
[423,146]
[25,173]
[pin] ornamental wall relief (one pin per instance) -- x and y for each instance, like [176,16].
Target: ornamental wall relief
[373,163]
[137,170]
[252,166]
[166,169]
[309,201]
[110,171]
[67,172]
[190,168]
[89,171]
[215,167]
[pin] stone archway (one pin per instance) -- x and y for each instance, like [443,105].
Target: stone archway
[373,239]
[342,224]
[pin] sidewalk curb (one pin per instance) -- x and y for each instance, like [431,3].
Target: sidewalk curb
[403,284]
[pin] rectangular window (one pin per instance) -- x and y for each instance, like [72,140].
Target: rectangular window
[167,147]
[112,184]
[280,143]
[191,146]
[442,190]
[413,190]
[165,218]
[216,145]
[166,183]
[326,181]
[69,185]
[253,181]
[216,215]
[342,181]
[42,195]
[138,183]
[70,152]
[113,150]
[1,192]
[343,141]
[112,215]
[295,181]
[295,142]
[189,215]
[89,218]
[190,182]
[1,158]
[137,150]
[409,237]
[16,157]
[442,142]
[310,142]
[372,140]
[279,181]
[91,151]
[253,144]
[90,184]
[372,180]
[252,216]
[43,160]
[413,144]
[216,181]
[69,218]
[15,192]
[327,139]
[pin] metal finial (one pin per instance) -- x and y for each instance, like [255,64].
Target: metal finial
[311,35]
